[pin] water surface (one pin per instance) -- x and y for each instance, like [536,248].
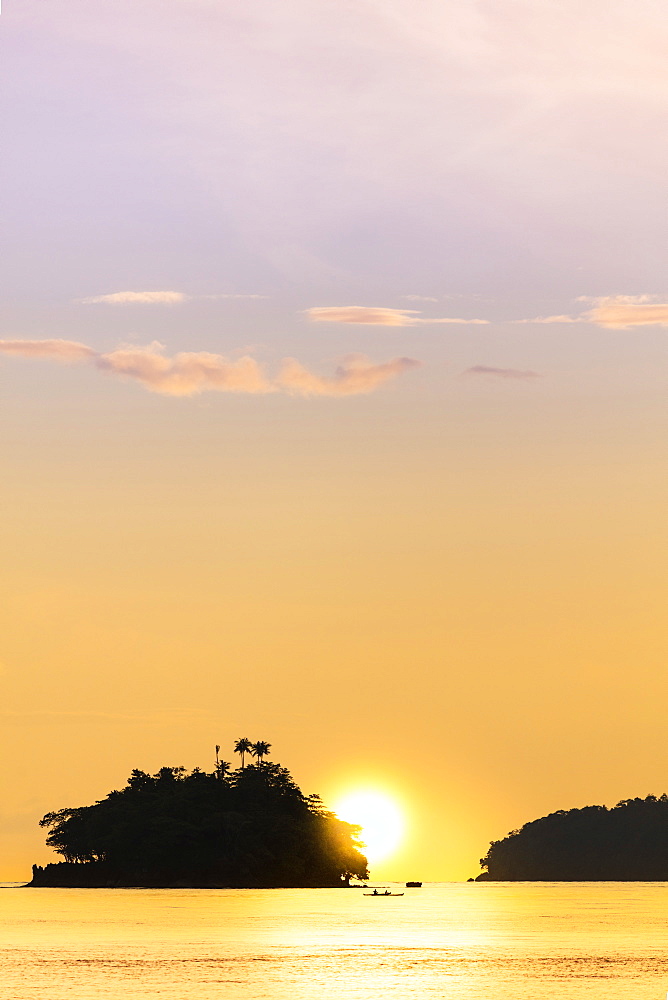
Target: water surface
[493,941]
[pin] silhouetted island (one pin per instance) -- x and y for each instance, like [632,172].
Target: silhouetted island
[628,843]
[249,828]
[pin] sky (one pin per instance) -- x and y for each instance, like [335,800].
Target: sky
[332,395]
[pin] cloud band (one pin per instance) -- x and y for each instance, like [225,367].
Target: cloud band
[380,316]
[193,372]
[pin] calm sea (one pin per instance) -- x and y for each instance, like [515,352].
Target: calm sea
[475,941]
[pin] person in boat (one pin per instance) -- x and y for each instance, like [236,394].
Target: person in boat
[387,893]
[375,892]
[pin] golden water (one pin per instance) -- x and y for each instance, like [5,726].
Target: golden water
[456,941]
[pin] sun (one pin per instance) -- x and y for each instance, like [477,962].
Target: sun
[380,818]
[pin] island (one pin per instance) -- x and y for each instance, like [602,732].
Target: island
[246,828]
[626,843]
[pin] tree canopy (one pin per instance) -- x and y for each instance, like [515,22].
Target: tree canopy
[250,827]
[628,842]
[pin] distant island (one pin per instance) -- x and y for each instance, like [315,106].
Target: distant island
[628,843]
[246,828]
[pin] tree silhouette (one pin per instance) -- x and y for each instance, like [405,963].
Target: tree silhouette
[243,746]
[252,828]
[260,750]
[628,843]
[223,768]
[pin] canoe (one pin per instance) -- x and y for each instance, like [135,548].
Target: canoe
[383,894]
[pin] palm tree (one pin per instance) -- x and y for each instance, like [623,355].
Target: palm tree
[243,747]
[222,767]
[260,750]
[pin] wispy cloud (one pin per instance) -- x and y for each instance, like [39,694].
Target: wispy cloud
[614,312]
[164,298]
[376,316]
[628,299]
[229,295]
[355,375]
[65,351]
[456,320]
[553,319]
[137,298]
[619,312]
[192,372]
[514,373]
[380,316]
[419,298]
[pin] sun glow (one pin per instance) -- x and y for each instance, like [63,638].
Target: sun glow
[380,818]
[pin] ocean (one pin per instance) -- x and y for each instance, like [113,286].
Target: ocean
[461,941]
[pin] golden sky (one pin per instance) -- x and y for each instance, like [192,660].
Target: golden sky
[332,406]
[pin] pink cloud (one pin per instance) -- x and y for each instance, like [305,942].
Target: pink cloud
[357,374]
[380,316]
[619,312]
[615,312]
[553,319]
[192,372]
[137,298]
[185,374]
[65,351]
[455,319]
[165,298]
[374,315]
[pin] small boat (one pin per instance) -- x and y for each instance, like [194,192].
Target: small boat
[414,885]
[386,893]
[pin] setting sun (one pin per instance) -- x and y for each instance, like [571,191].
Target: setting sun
[380,818]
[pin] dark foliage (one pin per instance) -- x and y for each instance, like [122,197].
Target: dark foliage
[628,843]
[253,827]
